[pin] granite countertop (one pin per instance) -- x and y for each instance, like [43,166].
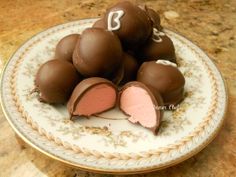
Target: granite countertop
[211,24]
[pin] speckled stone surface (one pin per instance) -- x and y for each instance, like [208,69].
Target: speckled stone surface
[211,24]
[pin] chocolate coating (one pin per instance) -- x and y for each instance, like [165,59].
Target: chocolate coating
[100,24]
[135,26]
[156,100]
[155,18]
[166,79]
[118,75]
[56,80]
[98,53]
[66,46]
[153,50]
[84,86]
[130,68]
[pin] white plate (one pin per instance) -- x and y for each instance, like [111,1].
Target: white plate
[113,145]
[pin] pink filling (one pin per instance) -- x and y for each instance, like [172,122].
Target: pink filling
[98,99]
[136,102]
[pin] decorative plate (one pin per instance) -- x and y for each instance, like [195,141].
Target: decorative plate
[109,143]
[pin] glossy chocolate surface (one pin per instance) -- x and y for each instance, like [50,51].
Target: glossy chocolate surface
[118,75]
[130,68]
[166,79]
[98,53]
[56,80]
[155,17]
[66,46]
[158,47]
[130,23]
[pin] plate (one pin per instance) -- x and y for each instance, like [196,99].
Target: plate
[109,143]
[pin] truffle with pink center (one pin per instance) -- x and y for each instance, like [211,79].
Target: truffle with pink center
[142,105]
[92,96]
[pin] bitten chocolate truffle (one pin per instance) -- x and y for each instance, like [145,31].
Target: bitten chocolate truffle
[130,23]
[164,77]
[56,80]
[130,68]
[98,53]
[159,47]
[142,104]
[92,96]
[66,46]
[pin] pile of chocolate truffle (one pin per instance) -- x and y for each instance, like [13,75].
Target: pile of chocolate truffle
[125,59]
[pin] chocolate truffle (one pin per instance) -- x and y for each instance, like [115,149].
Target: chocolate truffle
[56,80]
[159,47]
[155,18]
[92,96]
[164,77]
[130,23]
[66,46]
[99,24]
[98,53]
[118,76]
[130,68]
[142,104]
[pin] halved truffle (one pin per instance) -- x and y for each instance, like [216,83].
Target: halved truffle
[142,104]
[92,96]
